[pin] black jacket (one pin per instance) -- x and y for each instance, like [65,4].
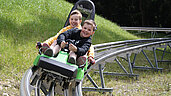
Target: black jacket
[82,44]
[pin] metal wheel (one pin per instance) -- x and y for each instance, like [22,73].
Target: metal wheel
[32,84]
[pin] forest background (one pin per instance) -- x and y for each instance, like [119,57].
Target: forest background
[135,13]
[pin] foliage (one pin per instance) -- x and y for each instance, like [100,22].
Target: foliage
[153,13]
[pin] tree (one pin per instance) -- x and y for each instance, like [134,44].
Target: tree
[154,13]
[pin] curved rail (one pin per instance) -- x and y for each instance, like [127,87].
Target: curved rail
[105,51]
[130,49]
[121,47]
[153,30]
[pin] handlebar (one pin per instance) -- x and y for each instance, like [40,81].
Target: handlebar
[39,46]
[66,48]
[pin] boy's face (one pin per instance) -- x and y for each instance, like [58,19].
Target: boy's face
[87,30]
[74,20]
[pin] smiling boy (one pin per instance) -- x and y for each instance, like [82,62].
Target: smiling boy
[82,40]
[75,22]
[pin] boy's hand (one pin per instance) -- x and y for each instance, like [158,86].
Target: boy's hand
[91,60]
[72,47]
[63,43]
[38,45]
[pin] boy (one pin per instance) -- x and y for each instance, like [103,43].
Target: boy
[75,22]
[82,40]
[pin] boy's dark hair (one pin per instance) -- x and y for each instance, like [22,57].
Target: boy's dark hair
[92,23]
[76,12]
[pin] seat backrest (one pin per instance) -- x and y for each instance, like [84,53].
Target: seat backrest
[87,9]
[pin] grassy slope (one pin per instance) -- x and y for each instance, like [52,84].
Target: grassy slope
[24,22]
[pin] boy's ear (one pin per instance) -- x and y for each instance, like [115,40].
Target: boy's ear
[80,21]
[69,20]
[93,32]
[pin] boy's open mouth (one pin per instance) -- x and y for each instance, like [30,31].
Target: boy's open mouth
[74,25]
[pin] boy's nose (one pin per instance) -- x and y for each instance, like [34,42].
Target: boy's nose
[85,30]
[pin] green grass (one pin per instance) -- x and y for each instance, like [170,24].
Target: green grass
[24,22]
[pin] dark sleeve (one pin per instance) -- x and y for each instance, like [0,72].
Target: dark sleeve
[65,35]
[60,38]
[84,48]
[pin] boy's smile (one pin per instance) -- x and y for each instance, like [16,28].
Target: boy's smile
[87,30]
[74,20]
